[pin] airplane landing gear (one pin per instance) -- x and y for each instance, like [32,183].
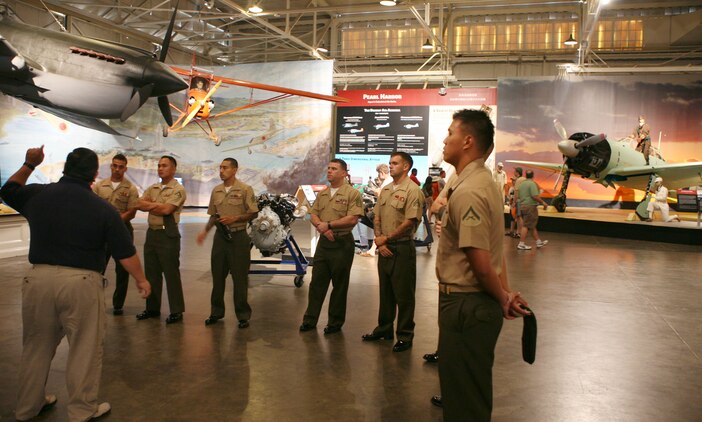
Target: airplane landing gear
[642,208]
[165,130]
[559,201]
[217,140]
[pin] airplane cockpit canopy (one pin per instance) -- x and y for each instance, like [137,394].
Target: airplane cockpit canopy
[198,82]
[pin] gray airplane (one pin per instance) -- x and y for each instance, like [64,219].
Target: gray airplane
[82,79]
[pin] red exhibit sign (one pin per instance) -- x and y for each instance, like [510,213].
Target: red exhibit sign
[419,97]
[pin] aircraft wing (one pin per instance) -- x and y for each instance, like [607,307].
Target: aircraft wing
[238,147]
[272,88]
[674,175]
[89,122]
[552,167]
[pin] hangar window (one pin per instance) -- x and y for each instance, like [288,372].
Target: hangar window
[386,39]
[513,36]
[618,35]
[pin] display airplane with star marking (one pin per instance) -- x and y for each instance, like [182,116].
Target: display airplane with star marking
[612,163]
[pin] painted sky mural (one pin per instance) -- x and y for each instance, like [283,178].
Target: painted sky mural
[672,106]
[299,138]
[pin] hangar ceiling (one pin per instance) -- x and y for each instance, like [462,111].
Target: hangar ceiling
[221,32]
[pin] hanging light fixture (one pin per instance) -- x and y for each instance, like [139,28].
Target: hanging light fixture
[388,3]
[322,49]
[427,45]
[255,8]
[570,40]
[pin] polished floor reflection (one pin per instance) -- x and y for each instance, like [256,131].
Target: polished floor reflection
[620,339]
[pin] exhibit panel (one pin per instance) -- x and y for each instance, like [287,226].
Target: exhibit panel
[377,122]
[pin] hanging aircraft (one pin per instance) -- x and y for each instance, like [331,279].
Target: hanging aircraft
[199,102]
[81,79]
[261,139]
[612,163]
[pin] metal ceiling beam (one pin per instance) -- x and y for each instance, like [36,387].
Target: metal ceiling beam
[61,7]
[577,69]
[273,28]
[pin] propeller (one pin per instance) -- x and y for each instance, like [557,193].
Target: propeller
[592,140]
[202,103]
[138,100]
[560,130]
[163,103]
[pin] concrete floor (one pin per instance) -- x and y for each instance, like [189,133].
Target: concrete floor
[620,339]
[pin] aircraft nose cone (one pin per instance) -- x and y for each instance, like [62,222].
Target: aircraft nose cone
[567,148]
[166,80]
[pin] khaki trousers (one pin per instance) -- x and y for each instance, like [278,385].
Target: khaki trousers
[61,301]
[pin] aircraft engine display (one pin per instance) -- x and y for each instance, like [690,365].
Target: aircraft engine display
[271,227]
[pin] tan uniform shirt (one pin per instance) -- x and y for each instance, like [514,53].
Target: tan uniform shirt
[239,200]
[405,202]
[123,198]
[171,193]
[474,218]
[346,201]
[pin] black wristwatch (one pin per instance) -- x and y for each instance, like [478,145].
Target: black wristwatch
[31,166]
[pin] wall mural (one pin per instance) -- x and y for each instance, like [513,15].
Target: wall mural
[289,135]
[672,106]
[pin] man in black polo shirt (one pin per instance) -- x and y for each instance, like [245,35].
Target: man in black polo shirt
[62,294]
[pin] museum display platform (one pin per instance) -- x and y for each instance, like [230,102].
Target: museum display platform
[619,223]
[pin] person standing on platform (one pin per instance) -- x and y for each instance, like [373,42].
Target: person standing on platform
[62,293]
[474,293]
[529,198]
[642,134]
[397,214]
[232,205]
[164,203]
[334,214]
[500,178]
[122,195]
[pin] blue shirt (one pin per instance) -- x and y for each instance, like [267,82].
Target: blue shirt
[69,224]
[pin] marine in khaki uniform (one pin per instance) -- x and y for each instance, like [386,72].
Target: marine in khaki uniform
[164,202]
[397,213]
[122,195]
[334,214]
[232,205]
[474,294]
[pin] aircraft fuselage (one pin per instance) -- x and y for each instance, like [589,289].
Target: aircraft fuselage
[76,74]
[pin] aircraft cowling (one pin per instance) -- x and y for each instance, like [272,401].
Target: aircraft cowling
[271,226]
[592,159]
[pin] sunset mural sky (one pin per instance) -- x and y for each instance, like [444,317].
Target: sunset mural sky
[611,105]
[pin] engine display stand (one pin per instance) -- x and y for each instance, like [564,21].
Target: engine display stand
[298,259]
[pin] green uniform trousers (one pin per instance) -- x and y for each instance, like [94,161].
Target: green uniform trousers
[121,276]
[231,258]
[162,258]
[332,262]
[469,325]
[398,280]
